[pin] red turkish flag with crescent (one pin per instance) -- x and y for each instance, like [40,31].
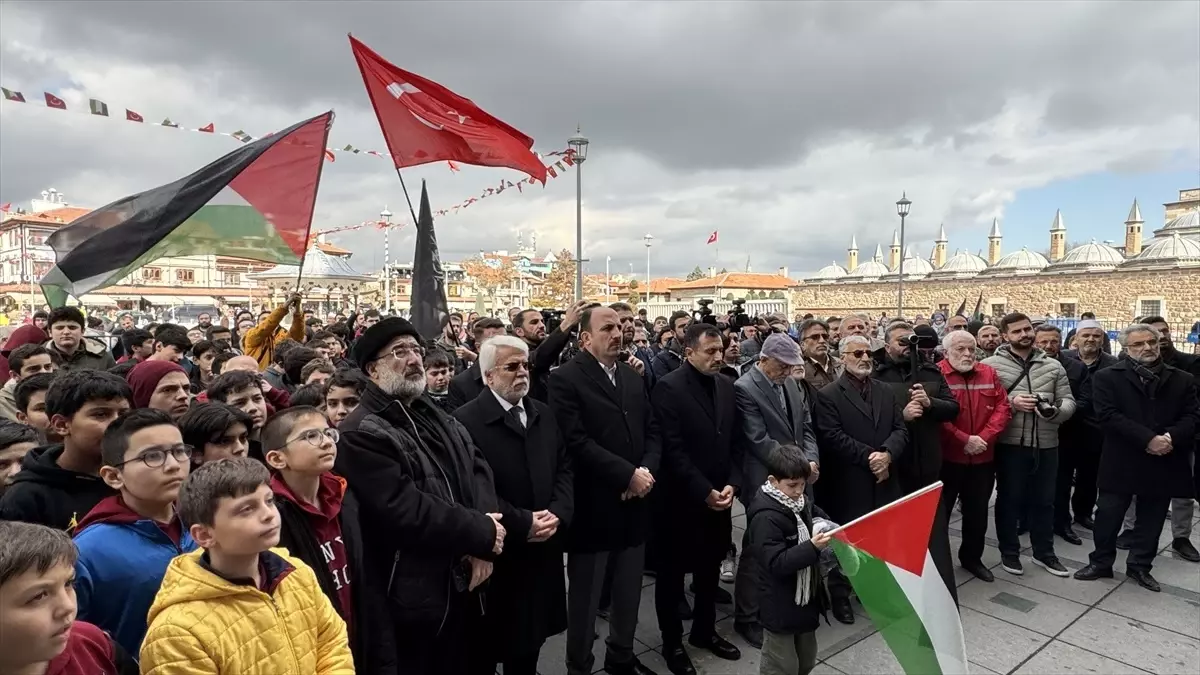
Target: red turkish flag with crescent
[424,122]
[712,238]
[53,101]
[132,116]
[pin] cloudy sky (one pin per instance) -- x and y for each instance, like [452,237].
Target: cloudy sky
[788,127]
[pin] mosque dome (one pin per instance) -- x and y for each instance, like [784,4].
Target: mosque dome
[871,270]
[1186,225]
[830,272]
[1019,262]
[1167,253]
[961,265]
[915,267]
[1088,257]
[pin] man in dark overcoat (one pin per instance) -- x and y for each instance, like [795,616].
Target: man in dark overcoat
[697,417]
[603,408]
[527,595]
[1149,414]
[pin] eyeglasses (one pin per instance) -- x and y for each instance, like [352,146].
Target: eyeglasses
[316,437]
[515,366]
[857,353]
[818,337]
[157,456]
[401,352]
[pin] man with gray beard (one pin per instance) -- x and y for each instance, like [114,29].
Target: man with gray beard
[428,509]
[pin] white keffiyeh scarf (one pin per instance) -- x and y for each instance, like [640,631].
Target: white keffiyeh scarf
[796,506]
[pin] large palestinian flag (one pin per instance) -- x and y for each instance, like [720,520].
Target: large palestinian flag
[255,203]
[885,554]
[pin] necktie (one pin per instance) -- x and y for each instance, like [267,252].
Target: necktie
[782,396]
[517,413]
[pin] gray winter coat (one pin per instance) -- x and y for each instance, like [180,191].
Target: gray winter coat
[1046,376]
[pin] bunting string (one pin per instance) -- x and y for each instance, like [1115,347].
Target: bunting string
[99,108]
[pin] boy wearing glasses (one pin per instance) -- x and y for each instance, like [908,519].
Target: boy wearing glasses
[318,517]
[60,483]
[127,540]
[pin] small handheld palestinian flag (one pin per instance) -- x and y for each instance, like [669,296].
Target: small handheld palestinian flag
[254,203]
[885,555]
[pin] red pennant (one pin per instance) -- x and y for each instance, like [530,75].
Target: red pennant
[329,156]
[132,116]
[207,128]
[53,101]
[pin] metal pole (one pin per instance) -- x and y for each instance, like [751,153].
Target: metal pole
[900,277]
[578,231]
[607,285]
[647,273]
[387,275]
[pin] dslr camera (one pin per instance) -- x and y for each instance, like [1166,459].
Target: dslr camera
[1044,407]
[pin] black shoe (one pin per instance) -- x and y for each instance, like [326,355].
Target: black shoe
[1123,542]
[678,661]
[980,571]
[1068,535]
[602,613]
[1143,579]
[1022,528]
[1184,549]
[685,610]
[1012,564]
[719,646]
[722,596]
[634,667]
[752,633]
[1052,565]
[842,611]
[1085,522]
[1093,572]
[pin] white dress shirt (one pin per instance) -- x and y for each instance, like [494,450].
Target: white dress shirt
[509,406]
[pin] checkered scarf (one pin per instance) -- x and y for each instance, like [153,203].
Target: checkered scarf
[796,506]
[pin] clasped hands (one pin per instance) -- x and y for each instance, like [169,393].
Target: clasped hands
[640,484]
[1160,445]
[720,501]
[879,463]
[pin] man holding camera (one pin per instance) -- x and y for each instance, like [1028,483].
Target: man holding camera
[1027,450]
[544,347]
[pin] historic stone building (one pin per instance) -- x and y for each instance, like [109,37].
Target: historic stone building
[1160,277]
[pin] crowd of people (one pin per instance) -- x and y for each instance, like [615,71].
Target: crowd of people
[346,495]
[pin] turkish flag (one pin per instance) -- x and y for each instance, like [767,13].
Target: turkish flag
[207,128]
[424,122]
[132,116]
[712,238]
[53,101]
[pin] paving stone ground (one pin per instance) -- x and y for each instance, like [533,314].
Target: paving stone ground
[1035,624]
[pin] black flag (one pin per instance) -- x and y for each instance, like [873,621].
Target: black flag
[976,315]
[961,311]
[429,309]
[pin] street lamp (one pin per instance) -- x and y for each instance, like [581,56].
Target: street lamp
[902,209]
[579,146]
[649,241]
[387,274]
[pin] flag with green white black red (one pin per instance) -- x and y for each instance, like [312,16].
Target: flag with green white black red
[885,555]
[255,203]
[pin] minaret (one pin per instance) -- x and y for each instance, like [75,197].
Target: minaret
[852,254]
[520,242]
[1133,231]
[994,243]
[1058,237]
[878,257]
[939,248]
[894,251]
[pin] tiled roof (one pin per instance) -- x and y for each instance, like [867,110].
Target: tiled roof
[332,249]
[59,216]
[766,282]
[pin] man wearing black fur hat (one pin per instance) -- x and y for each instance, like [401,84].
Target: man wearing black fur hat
[428,507]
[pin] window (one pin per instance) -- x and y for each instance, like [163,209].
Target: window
[233,278]
[37,240]
[185,276]
[40,269]
[1150,307]
[1067,309]
[152,273]
[943,307]
[998,309]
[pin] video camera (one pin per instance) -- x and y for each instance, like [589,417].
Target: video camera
[918,341]
[553,319]
[705,313]
[738,318]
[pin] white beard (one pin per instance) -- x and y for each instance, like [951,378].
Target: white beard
[397,385]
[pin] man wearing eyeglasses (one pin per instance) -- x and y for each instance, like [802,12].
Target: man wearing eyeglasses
[1149,414]
[431,523]
[523,444]
[820,367]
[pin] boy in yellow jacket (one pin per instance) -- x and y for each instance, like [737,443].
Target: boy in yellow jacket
[260,341]
[235,605]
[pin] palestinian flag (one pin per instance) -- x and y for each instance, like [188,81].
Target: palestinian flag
[885,554]
[98,107]
[11,95]
[254,203]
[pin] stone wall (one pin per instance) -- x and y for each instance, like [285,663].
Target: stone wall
[1111,295]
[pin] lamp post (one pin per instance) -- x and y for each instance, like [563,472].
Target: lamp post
[902,209]
[649,242]
[387,275]
[607,278]
[579,146]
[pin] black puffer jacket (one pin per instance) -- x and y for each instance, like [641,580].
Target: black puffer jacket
[774,542]
[423,490]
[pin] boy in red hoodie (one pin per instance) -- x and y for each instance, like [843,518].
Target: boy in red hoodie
[319,520]
[38,630]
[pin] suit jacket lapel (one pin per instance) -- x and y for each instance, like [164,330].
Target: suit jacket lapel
[594,370]
[796,399]
[876,402]
[537,457]
[771,393]
[856,398]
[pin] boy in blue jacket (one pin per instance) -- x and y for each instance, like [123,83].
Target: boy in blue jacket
[783,540]
[126,542]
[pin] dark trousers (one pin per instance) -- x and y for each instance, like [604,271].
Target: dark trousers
[972,483]
[668,594]
[749,583]
[1143,538]
[585,572]
[524,664]
[1025,479]
[1077,466]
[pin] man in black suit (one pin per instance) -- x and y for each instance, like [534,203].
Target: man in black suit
[468,385]
[613,439]
[862,435]
[527,595]
[698,416]
[1083,455]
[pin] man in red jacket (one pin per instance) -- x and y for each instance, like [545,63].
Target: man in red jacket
[968,443]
